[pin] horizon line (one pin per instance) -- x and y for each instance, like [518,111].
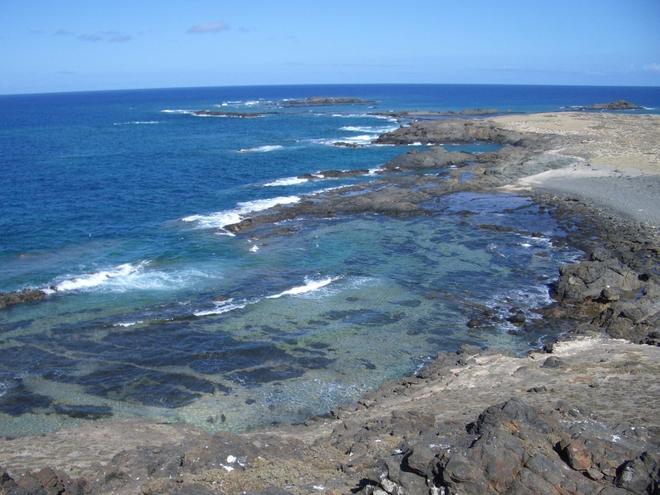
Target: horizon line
[322,84]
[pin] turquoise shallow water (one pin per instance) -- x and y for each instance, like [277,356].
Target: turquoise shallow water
[115,205]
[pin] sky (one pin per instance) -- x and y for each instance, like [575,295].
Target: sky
[75,45]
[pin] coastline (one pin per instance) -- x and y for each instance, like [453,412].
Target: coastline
[596,295]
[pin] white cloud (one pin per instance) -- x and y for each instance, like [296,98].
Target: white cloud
[208,27]
[653,67]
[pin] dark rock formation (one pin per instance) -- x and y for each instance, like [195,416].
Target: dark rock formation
[515,448]
[19,297]
[47,481]
[616,299]
[334,174]
[615,105]
[436,157]
[451,131]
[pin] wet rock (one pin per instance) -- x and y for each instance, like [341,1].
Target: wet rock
[84,411]
[474,322]
[8,299]
[518,318]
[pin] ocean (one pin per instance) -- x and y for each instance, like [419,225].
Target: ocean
[115,204]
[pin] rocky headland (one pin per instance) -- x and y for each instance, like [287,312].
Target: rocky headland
[576,417]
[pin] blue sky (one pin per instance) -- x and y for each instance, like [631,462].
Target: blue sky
[94,44]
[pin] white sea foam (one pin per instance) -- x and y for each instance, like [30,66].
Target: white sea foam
[363,116]
[221,308]
[254,249]
[326,189]
[243,103]
[126,324]
[360,139]
[287,181]
[262,149]
[177,111]
[125,277]
[221,219]
[95,279]
[138,122]
[377,170]
[369,129]
[310,286]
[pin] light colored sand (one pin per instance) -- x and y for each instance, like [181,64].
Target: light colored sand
[616,165]
[604,139]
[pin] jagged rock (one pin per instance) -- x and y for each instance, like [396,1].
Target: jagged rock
[516,448]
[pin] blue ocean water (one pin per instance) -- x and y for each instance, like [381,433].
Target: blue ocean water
[115,201]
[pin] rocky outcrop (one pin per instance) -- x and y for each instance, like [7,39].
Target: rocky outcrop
[617,300]
[515,448]
[437,157]
[19,297]
[451,131]
[615,105]
[46,481]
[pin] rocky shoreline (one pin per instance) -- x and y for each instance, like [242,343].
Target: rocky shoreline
[578,417]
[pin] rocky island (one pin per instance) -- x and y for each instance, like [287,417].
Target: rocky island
[613,105]
[575,416]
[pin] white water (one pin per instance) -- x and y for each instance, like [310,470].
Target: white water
[262,149]
[287,181]
[222,219]
[310,286]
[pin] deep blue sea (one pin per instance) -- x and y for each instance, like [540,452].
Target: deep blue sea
[114,203]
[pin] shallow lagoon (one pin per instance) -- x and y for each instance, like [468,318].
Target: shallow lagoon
[311,320]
